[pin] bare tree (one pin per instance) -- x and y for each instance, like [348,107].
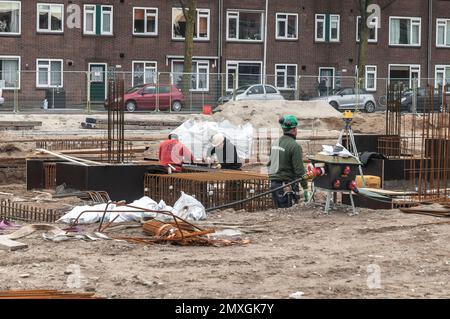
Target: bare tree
[363,36]
[189,8]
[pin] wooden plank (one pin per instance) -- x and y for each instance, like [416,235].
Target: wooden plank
[11,245]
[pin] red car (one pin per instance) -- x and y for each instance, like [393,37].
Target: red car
[149,96]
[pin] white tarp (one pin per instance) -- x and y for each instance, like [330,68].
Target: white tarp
[196,136]
[187,207]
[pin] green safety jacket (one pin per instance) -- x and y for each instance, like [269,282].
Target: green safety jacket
[286,161]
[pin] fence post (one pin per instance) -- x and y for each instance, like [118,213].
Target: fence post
[297,88]
[234,86]
[16,94]
[414,97]
[158,89]
[88,92]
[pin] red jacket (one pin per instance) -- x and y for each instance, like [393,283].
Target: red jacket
[173,152]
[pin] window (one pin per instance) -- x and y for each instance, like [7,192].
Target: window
[245,26]
[50,17]
[10,17]
[327,28]
[199,76]
[286,76]
[9,77]
[270,89]
[404,31]
[442,76]
[404,74]
[201,31]
[287,26]
[326,80]
[49,73]
[145,21]
[443,33]
[373,32]
[144,72]
[371,78]
[244,73]
[98,19]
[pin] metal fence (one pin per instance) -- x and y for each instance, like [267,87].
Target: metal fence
[181,92]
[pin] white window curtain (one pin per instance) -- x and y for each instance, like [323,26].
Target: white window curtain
[9,73]
[55,69]
[395,31]
[15,20]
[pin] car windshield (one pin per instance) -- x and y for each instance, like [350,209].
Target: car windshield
[135,89]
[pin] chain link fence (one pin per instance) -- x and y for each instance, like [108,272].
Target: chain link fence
[150,91]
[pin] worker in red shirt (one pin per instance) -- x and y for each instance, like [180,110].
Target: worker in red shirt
[172,154]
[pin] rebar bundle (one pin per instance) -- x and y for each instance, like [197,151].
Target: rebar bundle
[116,121]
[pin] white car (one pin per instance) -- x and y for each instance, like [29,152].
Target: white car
[349,98]
[2,99]
[253,92]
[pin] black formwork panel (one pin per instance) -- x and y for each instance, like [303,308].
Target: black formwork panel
[121,182]
[35,173]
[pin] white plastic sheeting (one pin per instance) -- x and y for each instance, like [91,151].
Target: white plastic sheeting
[187,207]
[196,136]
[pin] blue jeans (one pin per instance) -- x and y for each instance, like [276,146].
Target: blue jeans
[282,199]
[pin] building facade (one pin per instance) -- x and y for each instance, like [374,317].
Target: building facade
[49,43]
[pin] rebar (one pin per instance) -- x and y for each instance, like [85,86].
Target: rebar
[116,121]
[15,211]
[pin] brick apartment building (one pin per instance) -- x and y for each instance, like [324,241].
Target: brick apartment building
[251,38]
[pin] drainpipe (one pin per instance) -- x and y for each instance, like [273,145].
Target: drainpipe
[430,40]
[265,42]
[219,38]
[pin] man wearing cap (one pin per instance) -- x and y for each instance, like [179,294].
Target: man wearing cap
[286,165]
[223,153]
[172,154]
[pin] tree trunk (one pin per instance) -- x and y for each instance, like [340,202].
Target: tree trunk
[190,14]
[363,38]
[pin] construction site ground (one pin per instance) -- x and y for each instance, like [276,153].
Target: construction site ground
[293,250]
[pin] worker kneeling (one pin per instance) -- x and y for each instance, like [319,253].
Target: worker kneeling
[286,165]
[223,153]
[173,153]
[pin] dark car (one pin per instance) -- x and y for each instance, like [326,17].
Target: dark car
[424,103]
[151,96]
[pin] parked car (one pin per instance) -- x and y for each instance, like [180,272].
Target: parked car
[2,99]
[149,96]
[346,98]
[253,92]
[423,101]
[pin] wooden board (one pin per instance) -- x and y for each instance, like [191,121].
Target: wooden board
[11,245]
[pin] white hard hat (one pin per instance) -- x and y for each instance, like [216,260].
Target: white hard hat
[217,139]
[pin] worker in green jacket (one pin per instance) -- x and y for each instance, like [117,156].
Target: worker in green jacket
[286,165]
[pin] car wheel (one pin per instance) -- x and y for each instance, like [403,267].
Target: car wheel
[177,106]
[370,107]
[131,106]
[334,104]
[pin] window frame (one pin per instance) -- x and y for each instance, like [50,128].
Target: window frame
[436,70]
[196,37]
[338,28]
[202,63]
[237,62]
[333,77]
[144,62]
[20,19]
[316,22]
[446,30]
[94,20]
[286,19]
[374,72]
[38,29]
[419,19]
[111,25]
[411,67]
[49,72]
[375,21]
[286,65]
[12,57]
[156,15]
[236,15]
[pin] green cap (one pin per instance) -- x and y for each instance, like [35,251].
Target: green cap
[288,122]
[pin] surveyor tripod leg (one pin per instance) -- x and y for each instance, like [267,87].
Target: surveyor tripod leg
[327,203]
[353,204]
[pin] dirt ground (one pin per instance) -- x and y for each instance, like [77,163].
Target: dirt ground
[294,250]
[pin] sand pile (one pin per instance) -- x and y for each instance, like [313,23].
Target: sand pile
[267,113]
